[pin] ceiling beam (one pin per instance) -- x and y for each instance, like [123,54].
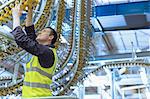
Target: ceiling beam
[120,56]
[122,9]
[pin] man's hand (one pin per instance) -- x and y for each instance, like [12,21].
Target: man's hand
[16,13]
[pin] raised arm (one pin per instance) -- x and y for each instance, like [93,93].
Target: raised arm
[29,16]
[29,27]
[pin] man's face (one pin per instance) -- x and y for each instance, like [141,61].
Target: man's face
[44,35]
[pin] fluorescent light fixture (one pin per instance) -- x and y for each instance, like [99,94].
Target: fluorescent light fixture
[112,21]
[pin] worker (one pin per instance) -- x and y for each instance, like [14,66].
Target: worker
[41,67]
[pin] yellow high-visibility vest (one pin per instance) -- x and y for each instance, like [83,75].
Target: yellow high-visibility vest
[38,79]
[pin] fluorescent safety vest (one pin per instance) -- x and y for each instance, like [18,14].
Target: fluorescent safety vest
[38,79]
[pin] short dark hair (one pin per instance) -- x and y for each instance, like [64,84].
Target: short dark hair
[55,35]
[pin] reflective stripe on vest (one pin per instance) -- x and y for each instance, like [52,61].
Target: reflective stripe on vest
[36,85]
[39,71]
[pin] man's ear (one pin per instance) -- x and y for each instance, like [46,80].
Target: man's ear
[51,37]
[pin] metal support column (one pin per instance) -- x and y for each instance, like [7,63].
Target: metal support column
[113,89]
[16,68]
[81,90]
[145,81]
[123,97]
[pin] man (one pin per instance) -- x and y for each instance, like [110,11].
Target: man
[41,67]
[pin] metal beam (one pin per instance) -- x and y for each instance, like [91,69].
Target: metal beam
[120,56]
[133,87]
[121,29]
[123,9]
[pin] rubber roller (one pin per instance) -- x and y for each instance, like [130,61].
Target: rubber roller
[1,12]
[30,3]
[11,5]
[3,19]
[17,2]
[6,9]
[7,16]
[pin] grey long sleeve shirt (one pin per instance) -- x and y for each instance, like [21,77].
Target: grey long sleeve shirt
[28,42]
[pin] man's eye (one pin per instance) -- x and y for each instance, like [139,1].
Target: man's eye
[39,33]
